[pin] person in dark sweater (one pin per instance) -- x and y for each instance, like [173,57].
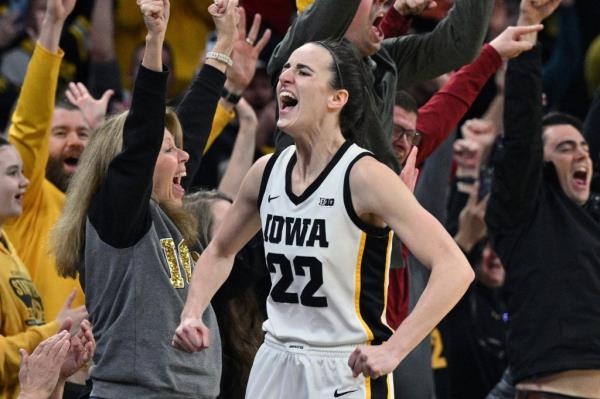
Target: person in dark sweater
[124,230]
[547,238]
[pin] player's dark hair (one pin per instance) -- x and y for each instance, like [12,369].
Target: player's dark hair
[348,74]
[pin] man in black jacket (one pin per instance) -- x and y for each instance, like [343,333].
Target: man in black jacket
[547,239]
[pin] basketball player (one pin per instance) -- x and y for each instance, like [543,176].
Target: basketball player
[326,207]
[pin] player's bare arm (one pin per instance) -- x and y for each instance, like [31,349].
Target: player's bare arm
[379,196]
[212,269]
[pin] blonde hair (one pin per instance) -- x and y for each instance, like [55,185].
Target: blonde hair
[68,235]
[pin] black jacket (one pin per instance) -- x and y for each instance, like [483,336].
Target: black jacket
[549,245]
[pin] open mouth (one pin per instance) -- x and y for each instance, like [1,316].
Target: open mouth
[71,161]
[178,177]
[19,197]
[580,177]
[287,100]
[376,30]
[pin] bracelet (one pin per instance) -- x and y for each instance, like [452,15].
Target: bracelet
[224,58]
[230,97]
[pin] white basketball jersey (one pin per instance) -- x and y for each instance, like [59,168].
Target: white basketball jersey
[329,270]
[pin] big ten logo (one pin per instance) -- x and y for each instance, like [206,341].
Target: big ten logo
[26,292]
[326,201]
[178,257]
[438,361]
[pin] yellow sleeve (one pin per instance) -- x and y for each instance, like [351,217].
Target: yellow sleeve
[10,359]
[221,119]
[32,119]
[302,4]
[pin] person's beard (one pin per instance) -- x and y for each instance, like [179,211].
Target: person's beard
[56,174]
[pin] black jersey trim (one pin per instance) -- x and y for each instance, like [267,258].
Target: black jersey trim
[296,200]
[379,387]
[367,228]
[265,178]
[372,297]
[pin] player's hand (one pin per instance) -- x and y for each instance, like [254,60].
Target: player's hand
[413,7]
[372,361]
[192,335]
[410,173]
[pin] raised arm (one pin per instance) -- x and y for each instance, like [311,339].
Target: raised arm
[242,154]
[450,271]
[453,43]
[324,19]
[518,169]
[126,190]
[30,125]
[239,226]
[440,115]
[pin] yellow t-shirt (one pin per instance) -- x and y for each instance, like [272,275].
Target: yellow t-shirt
[29,133]
[21,317]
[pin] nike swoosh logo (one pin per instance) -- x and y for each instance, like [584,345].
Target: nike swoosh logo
[272,198]
[337,394]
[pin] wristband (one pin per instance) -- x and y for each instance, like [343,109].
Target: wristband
[230,97]
[224,58]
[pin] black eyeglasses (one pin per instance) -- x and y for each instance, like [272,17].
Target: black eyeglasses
[412,136]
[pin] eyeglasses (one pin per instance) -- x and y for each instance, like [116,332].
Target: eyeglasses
[412,136]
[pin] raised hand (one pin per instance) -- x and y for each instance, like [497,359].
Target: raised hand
[156,16]
[225,14]
[413,7]
[93,110]
[480,130]
[192,335]
[81,350]
[514,40]
[471,221]
[410,173]
[59,10]
[39,371]
[245,53]
[535,11]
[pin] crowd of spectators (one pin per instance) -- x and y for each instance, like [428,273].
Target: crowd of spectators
[491,118]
